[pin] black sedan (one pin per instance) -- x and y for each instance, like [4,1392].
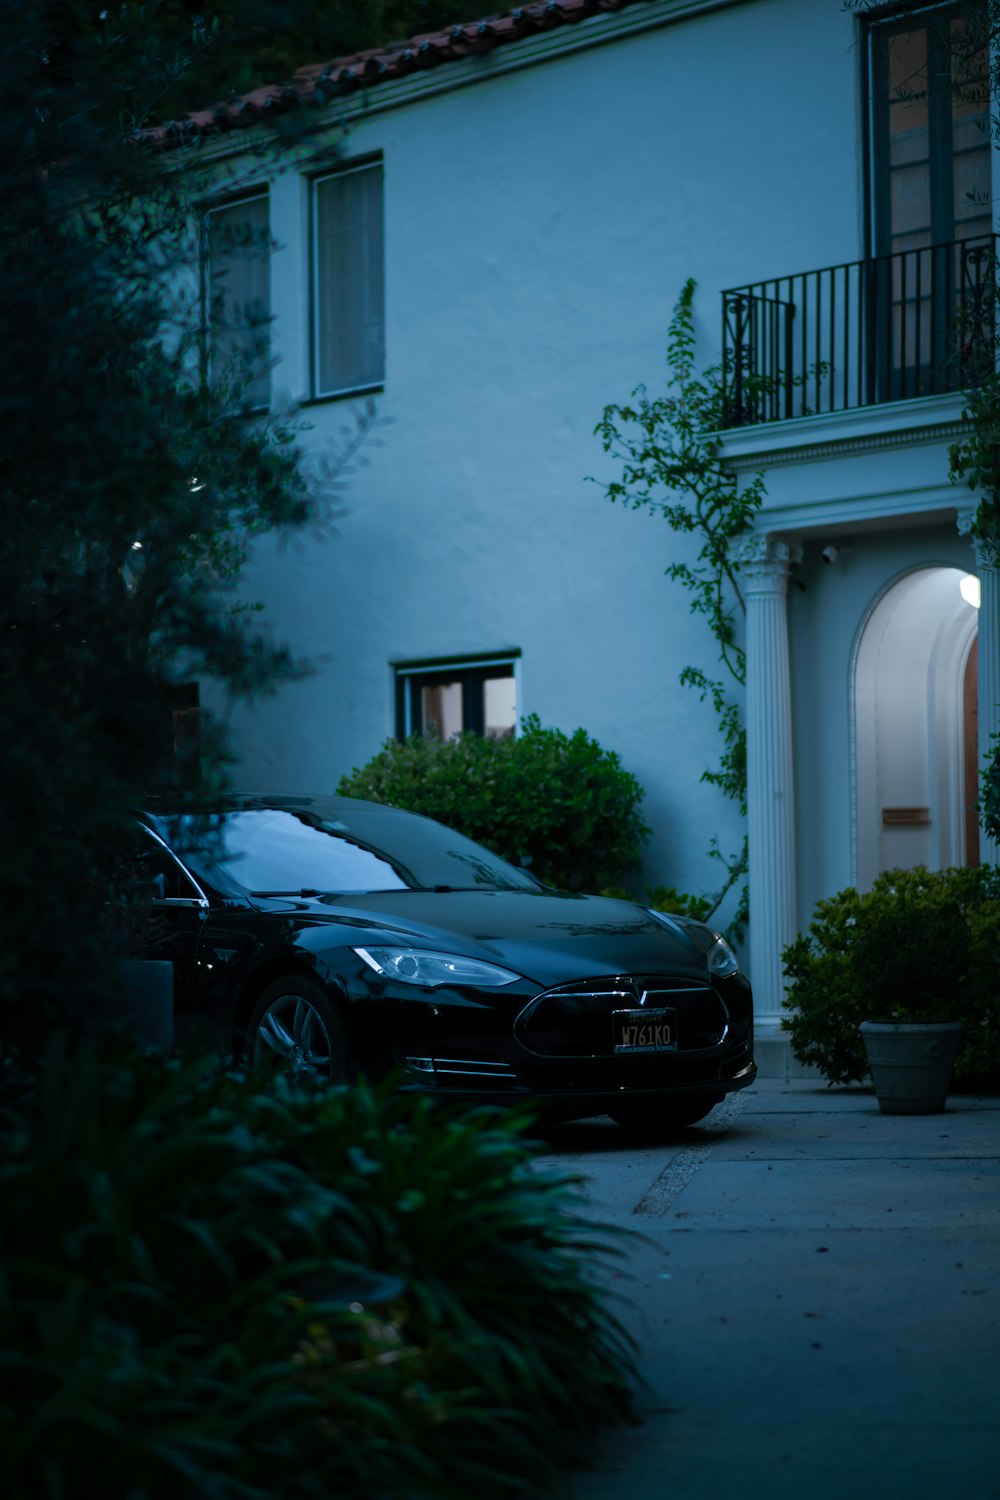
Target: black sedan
[345,938]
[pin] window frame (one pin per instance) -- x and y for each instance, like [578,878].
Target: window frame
[193,899]
[212,206]
[473,672]
[879,27]
[372,162]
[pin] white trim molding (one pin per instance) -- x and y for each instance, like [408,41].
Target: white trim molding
[875,465]
[896,424]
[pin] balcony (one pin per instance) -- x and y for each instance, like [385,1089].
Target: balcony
[917,323]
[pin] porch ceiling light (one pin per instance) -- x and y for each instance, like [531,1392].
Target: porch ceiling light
[969,589]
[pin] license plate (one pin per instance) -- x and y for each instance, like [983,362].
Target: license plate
[644,1030]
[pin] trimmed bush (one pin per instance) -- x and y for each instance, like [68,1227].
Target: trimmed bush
[213,1285]
[556,803]
[920,945]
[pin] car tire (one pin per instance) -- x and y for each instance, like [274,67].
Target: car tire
[663,1117]
[296,1029]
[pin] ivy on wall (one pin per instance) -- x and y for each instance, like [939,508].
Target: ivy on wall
[975,461]
[669,450]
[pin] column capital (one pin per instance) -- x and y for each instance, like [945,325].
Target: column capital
[965,518]
[986,549]
[764,560]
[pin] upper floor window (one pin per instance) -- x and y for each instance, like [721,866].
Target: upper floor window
[931,202]
[348,281]
[477,694]
[238,298]
[930,130]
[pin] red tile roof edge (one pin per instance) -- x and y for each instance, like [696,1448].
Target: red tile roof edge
[319,83]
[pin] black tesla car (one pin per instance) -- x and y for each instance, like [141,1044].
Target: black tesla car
[346,937]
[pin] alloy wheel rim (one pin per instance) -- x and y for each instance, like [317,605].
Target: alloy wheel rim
[293,1032]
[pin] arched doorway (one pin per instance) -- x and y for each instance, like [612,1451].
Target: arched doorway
[914,698]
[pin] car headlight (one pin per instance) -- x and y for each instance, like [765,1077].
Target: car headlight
[720,958]
[722,961]
[417,966]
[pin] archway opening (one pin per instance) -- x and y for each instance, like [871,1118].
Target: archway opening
[915,755]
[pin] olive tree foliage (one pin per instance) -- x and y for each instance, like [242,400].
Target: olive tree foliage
[130,491]
[218,49]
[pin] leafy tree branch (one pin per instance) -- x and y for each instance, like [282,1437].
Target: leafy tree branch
[132,489]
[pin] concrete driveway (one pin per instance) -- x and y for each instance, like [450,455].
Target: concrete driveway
[816,1298]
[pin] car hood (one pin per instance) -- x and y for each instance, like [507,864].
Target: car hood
[548,937]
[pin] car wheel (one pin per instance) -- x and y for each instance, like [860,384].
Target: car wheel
[660,1117]
[295,1028]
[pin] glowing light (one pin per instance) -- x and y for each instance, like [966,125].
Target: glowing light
[970,590]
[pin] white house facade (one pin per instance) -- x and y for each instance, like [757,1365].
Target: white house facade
[491,255]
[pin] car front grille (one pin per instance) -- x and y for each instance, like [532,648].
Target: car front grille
[574,1020]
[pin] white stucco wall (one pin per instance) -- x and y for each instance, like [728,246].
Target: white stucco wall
[539,226]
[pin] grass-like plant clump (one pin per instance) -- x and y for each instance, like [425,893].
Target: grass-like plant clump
[213,1284]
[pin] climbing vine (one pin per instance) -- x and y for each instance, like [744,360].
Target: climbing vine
[975,458]
[669,450]
[975,461]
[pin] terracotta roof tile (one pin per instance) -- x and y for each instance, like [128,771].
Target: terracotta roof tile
[320,83]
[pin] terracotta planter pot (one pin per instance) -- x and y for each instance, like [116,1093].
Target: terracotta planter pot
[911,1063]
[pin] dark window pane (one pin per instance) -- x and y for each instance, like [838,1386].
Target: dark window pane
[350,296]
[239,296]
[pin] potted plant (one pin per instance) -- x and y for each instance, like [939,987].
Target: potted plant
[881,982]
[911,957]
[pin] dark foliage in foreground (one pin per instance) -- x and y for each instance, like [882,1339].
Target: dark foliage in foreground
[211,1284]
[205,51]
[130,491]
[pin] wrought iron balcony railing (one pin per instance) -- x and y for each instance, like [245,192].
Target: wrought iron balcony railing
[916,323]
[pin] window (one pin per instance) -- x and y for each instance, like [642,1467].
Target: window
[238,297]
[150,871]
[451,697]
[348,281]
[931,220]
[930,131]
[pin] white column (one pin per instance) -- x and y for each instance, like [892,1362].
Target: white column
[988,683]
[764,562]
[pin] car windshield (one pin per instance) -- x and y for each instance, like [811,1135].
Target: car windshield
[292,850]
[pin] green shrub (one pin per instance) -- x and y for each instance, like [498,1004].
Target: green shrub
[989,790]
[919,945]
[557,803]
[211,1284]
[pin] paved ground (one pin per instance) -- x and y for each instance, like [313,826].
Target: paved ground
[817,1300]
